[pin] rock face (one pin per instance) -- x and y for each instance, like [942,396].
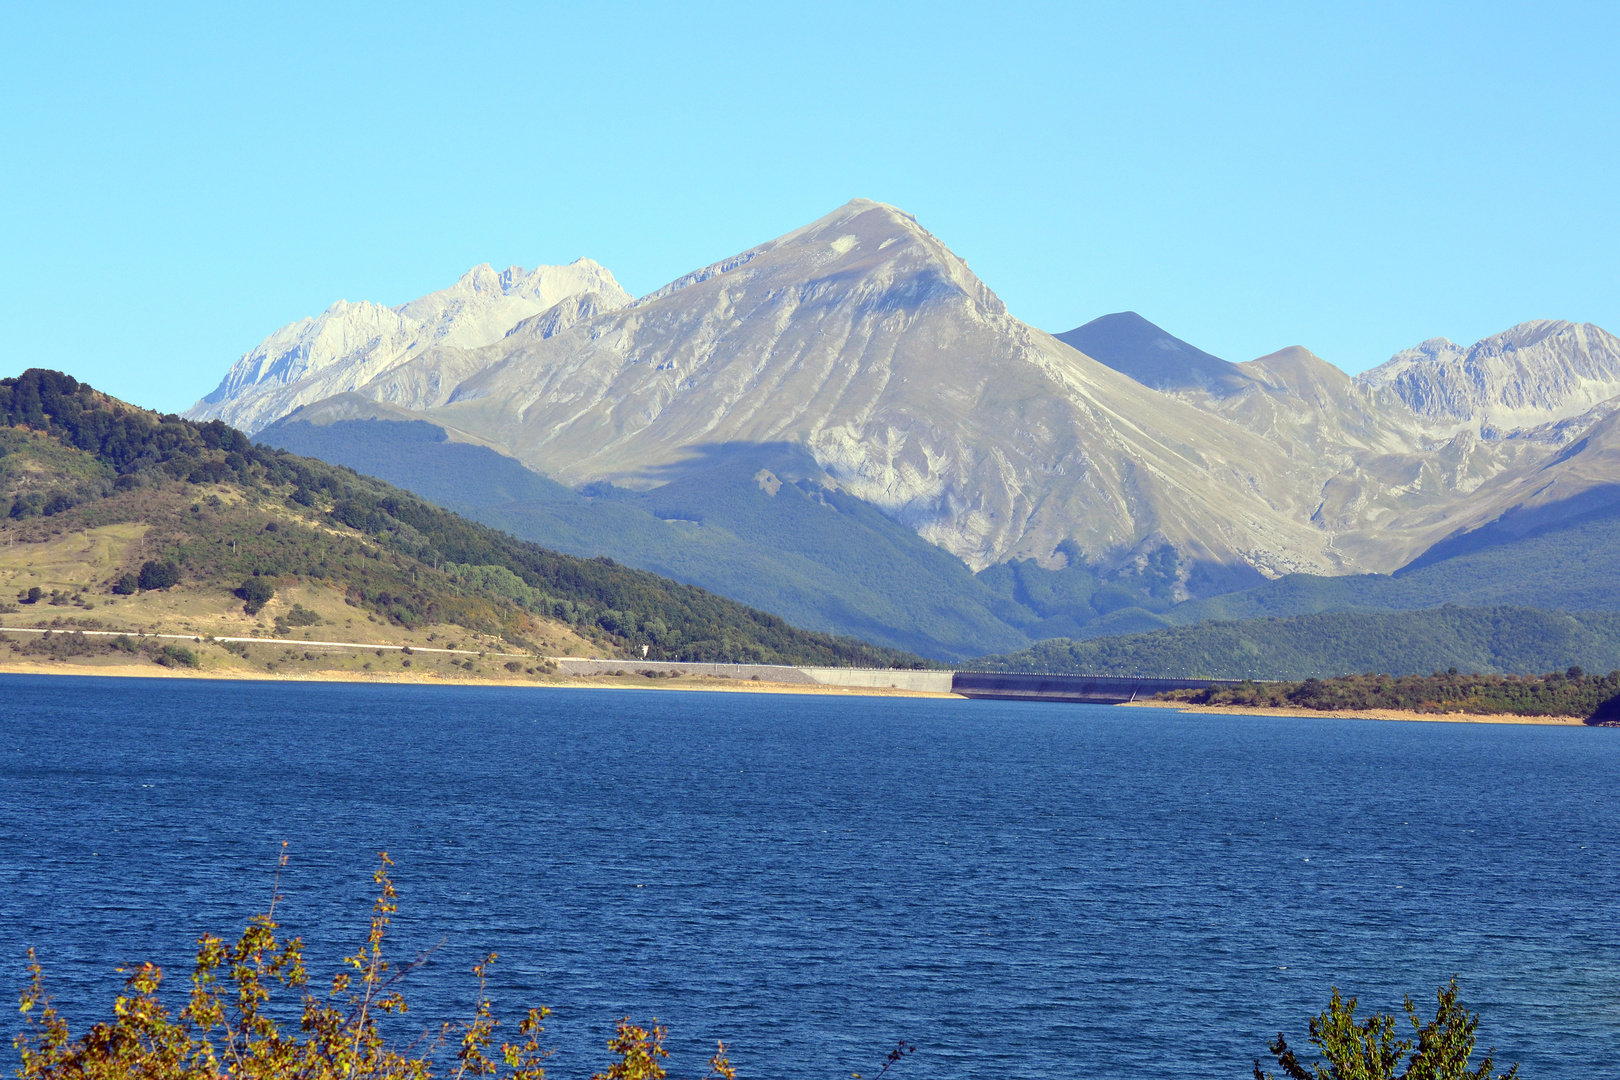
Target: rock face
[862,339]
[1534,373]
[349,344]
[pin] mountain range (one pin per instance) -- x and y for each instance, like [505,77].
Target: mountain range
[845,426]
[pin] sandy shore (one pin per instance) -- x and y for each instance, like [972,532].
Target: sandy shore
[550,682]
[1366,714]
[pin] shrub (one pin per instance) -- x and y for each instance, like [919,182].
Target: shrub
[60,646]
[176,656]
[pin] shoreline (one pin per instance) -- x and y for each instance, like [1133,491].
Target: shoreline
[705,683]
[566,682]
[1367,714]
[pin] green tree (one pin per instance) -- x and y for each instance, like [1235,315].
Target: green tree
[257,591]
[158,575]
[1369,1050]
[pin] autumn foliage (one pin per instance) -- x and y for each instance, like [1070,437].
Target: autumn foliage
[225,1029]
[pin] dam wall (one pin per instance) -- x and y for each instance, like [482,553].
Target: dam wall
[933,682]
[1101,689]
[937,682]
[1001,686]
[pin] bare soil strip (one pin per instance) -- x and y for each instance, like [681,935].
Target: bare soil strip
[553,682]
[368,645]
[1365,714]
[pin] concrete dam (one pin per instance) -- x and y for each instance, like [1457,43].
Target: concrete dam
[1001,686]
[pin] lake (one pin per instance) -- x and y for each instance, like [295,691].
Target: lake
[1019,889]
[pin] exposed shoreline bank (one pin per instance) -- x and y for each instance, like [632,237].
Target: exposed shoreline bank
[566,682]
[1366,714]
[723,685]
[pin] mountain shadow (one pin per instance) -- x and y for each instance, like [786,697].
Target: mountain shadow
[1568,565]
[1583,515]
[761,523]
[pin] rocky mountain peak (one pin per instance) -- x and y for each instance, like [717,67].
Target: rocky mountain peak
[860,238]
[1534,373]
[352,343]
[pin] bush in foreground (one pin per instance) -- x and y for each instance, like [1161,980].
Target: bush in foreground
[225,1030]
[1369,1050]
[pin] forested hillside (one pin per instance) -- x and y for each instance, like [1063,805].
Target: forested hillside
[1499,639]
[1570,565]
[215,510]
[1558,693]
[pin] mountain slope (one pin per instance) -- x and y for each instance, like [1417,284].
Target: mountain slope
[777,540]
[349,344]
[1572,564]
[760,524]
[78,460]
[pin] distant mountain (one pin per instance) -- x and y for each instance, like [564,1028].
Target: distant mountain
[1115,477]
[1133,346]
[1532,374]
[350,344]
[864,340]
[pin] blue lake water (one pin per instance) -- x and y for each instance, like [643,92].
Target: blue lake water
[1018,889]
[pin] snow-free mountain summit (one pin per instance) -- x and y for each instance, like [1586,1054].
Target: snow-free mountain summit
[349,344]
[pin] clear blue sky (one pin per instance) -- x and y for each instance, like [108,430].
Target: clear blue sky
[178,183]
